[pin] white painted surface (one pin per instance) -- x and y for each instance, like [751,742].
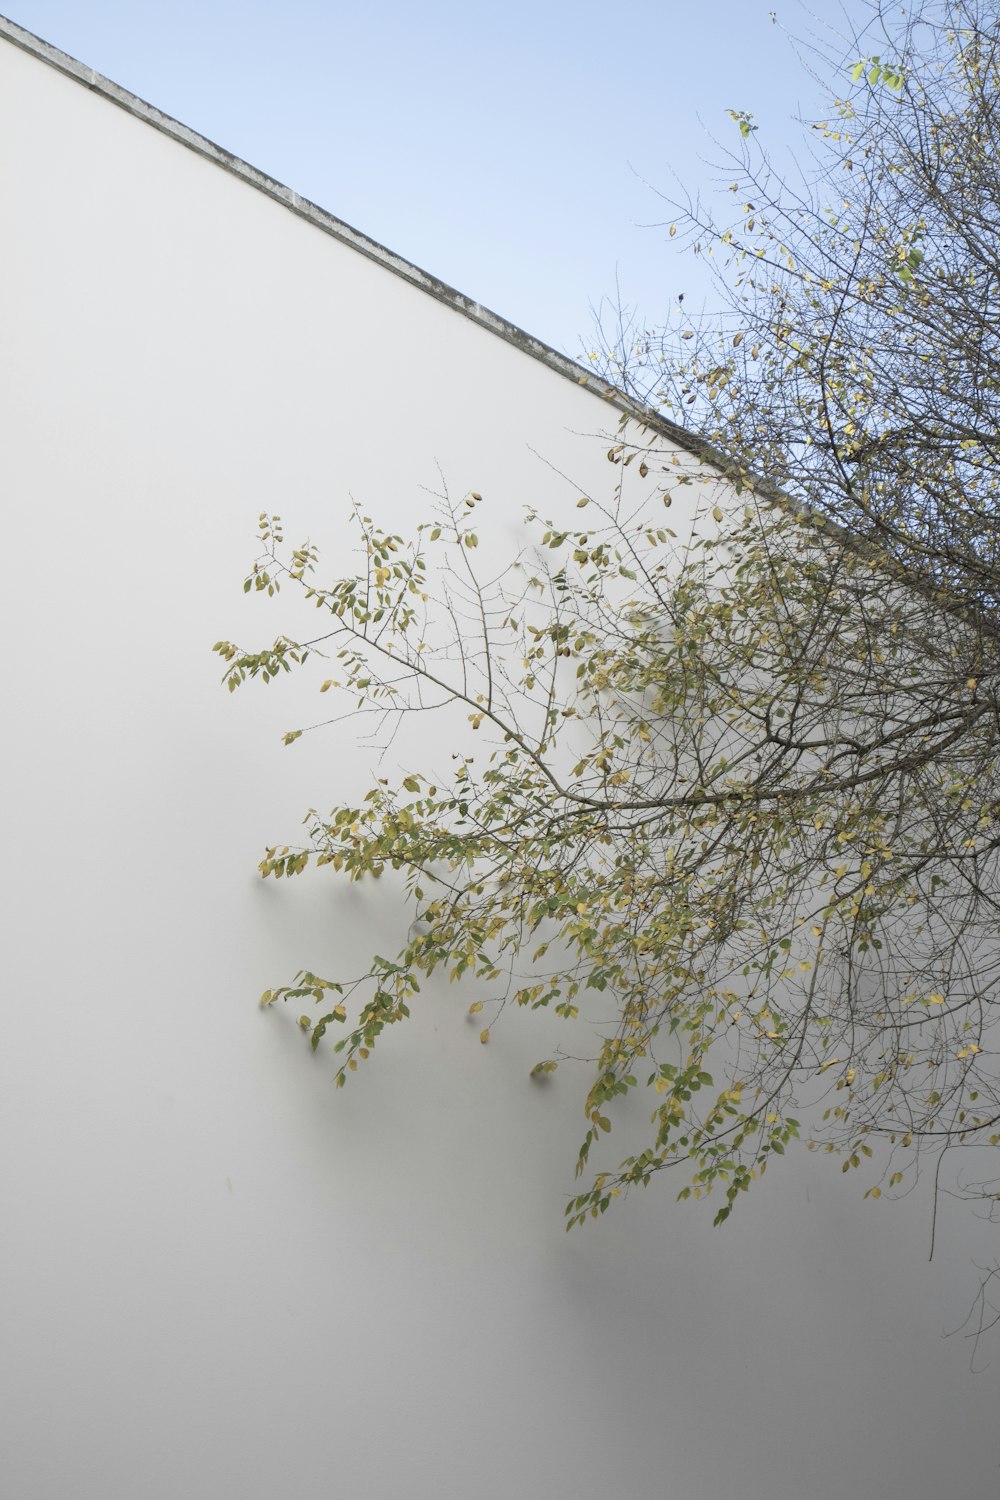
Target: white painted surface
[219,1277]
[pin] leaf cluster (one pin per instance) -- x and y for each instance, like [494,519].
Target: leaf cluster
[735,812]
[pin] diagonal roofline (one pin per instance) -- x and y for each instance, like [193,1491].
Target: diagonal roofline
[699,447]
[561,364]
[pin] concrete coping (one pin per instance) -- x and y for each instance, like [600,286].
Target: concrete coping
[347,235]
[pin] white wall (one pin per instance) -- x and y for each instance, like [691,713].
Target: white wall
[219,1277]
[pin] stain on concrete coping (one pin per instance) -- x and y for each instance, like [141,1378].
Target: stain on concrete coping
[347,235]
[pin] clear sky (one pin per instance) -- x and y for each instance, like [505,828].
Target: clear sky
[512,150]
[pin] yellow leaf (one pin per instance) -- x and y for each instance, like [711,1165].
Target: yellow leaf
[475,1007]
[484,1036]
[716,513]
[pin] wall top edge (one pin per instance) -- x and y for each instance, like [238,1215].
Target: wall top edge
[474,311]
[689,442]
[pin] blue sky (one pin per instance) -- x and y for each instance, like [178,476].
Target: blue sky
[514,151]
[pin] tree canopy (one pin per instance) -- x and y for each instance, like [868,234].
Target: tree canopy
[856,363]
[742,785]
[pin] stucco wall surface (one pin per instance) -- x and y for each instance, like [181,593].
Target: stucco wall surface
[219,1276]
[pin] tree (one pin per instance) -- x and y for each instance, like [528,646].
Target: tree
[744,786]
[856,364]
